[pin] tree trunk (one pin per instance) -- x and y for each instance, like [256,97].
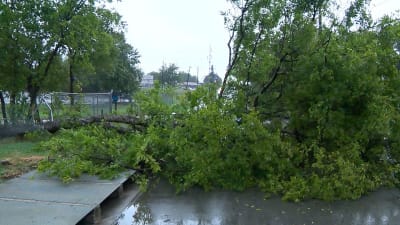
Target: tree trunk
[122,124]
[3,108]
[33,107]
[33,90]
[71,85]
[71,75]
[13,101]
[13,98]
[236,38]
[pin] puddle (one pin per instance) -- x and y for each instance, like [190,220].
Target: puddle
[195,207]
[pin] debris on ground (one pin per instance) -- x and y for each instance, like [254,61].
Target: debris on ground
[16,166]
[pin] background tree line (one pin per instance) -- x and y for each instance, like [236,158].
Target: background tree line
[171,75]
[63,45]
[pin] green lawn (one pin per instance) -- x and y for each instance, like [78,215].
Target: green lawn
[10,147]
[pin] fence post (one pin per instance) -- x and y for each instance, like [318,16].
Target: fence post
[110,101]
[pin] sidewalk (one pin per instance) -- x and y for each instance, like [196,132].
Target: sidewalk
[37,199]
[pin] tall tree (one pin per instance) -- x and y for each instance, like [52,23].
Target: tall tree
[114,69]
[39,35]
[20,46]
[170,75]
[328,84]
[13,42]
[167,75]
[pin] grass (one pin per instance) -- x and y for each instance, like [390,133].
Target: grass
[18,157]
[11,147]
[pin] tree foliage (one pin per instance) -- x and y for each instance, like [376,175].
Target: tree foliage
[308,108]
[326,85]
[48,44]
[97,150]
[114,70]
[169,75]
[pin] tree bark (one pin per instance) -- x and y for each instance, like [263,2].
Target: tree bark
[34,112]
[3,108]
[234,50]
[71,85]
[33,90]
[71,75]
[122,124]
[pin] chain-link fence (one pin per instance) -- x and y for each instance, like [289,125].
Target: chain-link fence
[51,106]
[58,104]
[16,113]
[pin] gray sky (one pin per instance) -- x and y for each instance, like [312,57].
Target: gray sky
[177,31]
[184,31]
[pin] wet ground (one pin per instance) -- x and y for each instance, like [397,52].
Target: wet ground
[162,206]
[38,199]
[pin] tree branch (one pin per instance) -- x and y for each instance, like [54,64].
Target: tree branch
[253,52]
[234,54]
[274,74]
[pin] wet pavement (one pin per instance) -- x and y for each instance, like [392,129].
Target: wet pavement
[161,205]
[37,199]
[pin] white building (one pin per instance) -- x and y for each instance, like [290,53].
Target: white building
[189,85]
[147,81]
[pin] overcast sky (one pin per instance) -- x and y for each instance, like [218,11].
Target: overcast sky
[184,32]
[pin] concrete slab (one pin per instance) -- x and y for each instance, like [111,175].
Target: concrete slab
[34,175]
[44,213]
[37,199]
[55,191]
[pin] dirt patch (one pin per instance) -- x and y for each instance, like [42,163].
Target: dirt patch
[13,167]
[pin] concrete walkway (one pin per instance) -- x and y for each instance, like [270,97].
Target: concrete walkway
[37,199]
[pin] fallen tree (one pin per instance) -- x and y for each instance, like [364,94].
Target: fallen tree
[215,148]
[121,123]
[97,150]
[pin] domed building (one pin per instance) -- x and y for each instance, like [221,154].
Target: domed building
[212,78]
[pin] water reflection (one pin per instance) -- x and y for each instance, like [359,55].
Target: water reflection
[196,207]
[137,213]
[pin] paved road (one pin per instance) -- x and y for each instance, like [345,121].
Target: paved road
[162,206]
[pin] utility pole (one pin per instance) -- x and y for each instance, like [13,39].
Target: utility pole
[187,80]
[162,74]
[209,59]
[197,76]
